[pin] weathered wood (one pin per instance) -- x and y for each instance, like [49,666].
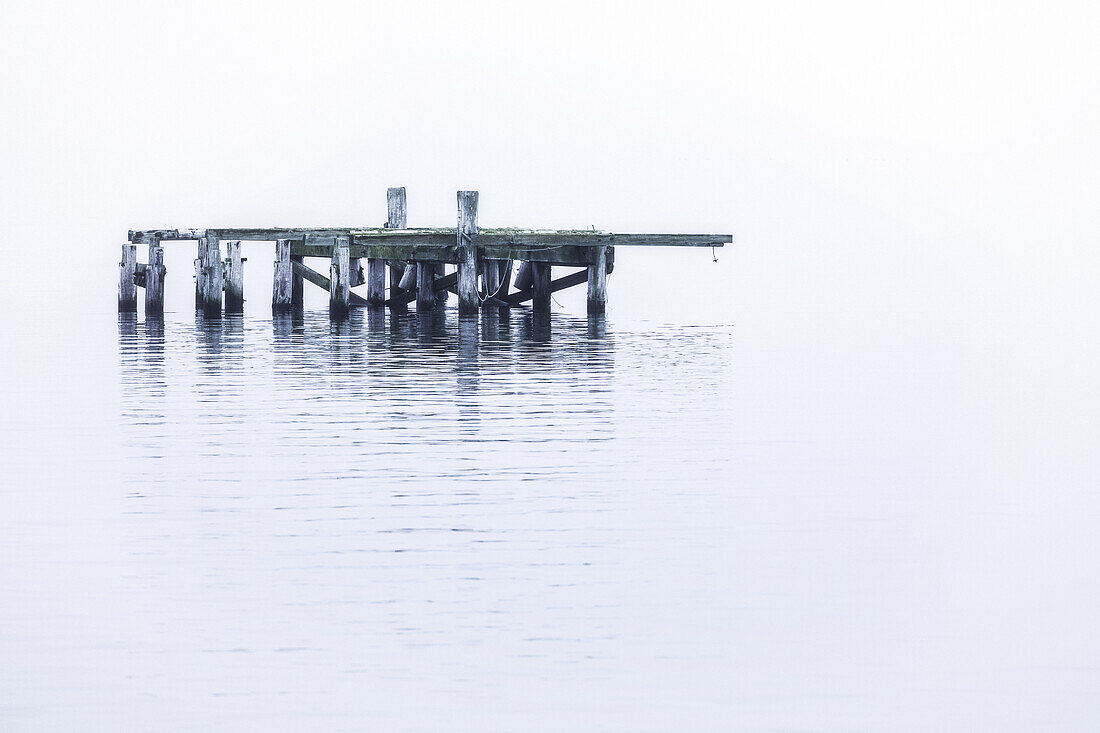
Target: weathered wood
[234,278]
[540,287]
[212,280]
[397,271]
[397,218]
[467,243]
[440,293]
[154,281]
[282,288]
[139,274]
[200,272]
[523,276]
[306,273]
[566,254]
[298,283]
[425,295]
[376,281]
[127,288]
[505,267]
[495,237]
[568,281]
[407,296]
[408,277]
[339,294]
[490,276]
[597,284]
[396,208]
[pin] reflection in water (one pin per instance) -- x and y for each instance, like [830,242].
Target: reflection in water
[373,501]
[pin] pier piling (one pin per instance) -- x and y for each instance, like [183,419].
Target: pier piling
[597,283]
[298,281]
[540,280]
[339,294]
[282,288]
[523,276]
[127,288]
[425,279]
[467,247]
[154,280]
[397,218]
[212,279]
[234,278]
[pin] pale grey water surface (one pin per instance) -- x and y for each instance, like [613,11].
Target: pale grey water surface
[420,524]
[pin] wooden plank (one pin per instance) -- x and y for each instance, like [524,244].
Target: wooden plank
[446,236]
[127,288]
[154,281]
[597,284]
[234,278]
[282,288]
[468,303]
[322,282]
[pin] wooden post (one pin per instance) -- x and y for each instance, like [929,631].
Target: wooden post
[597,283]
[297,280]
[154,280]
[467,244]
[425,276]
[540,275]
[490,274]
[396,218]
[234,278]
[282,288]
[523,276]
[212,281]
[127,288]
[339,293]
[440,295]
[376,282]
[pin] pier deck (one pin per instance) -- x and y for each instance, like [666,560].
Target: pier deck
[417,259]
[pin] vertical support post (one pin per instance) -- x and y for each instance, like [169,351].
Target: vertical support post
[467,247]
[490,273]
[396,218]
[339,293]
[127,288]
[597,283]
[440,295]
[213,283]
[425,276]
[282,287]
[200,273]
[540,275]
[234,278]
[154,280]
[523,276]
[298,282]
[376,282]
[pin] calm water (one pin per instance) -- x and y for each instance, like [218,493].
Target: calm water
[406,523]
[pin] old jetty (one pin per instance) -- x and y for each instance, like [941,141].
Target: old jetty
[482,262]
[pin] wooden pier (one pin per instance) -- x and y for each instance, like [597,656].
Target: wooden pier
[482,260]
